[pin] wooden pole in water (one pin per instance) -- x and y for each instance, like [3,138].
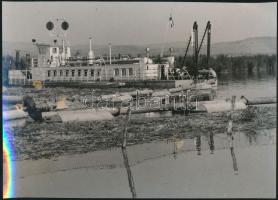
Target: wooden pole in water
[125,157]
[137,100]
[231,137]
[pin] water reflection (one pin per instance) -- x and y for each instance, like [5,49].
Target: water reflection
[252,137]
[231,143]
[211,142]
[198,144]
[218,141]
[175,151]
[149,151]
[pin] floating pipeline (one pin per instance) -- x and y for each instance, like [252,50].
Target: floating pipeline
[47,140]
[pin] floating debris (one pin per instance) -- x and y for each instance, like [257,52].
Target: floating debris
[55,139]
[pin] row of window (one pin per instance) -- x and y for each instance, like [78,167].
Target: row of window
[86,72]
[124,72]
[67,72]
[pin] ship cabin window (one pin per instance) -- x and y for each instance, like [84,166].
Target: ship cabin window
[61,72]
[130,71]
[85,72]
[72,73]
[54,73]
[92,72]
[48,73]
[117,72]
[54,50]
[98,72]
[67,73]
[79,72]
[123,72]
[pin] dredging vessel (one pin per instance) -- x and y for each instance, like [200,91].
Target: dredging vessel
[55,65]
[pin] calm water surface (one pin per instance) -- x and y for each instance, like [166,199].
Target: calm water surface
[250,86]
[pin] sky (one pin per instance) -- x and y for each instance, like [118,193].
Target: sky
[129,23]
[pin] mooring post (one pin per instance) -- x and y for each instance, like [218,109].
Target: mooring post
[125,157]
[231,137]
[196,103]
[233,102]
[187,100]
[137,99]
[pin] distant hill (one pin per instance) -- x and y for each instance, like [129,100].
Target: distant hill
[249,46]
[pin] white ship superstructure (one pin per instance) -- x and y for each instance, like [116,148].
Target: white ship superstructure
[54,63]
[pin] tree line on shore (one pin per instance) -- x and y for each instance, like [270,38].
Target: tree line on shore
[229,64]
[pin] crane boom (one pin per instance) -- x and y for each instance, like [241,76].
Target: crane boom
[188,44]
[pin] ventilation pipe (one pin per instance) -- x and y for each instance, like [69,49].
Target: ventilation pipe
[68,54]
[91,53]
[63,57]
[171,58]
[148,52]
[171,51]
[109,53]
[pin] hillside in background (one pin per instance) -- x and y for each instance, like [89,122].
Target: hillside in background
[249,46]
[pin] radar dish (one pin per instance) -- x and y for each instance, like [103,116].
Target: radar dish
[65,25]
[49,25]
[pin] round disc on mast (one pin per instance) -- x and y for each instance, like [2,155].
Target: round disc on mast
[49,25]
[65,25]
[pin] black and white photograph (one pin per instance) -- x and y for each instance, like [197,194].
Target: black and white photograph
[104,99]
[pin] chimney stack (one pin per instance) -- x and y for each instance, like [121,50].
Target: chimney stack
[148,52]
[109,53]
[91,53]
[171,51]
[63,54]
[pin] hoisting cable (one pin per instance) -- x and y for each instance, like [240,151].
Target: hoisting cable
[184,57]
[203,39]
